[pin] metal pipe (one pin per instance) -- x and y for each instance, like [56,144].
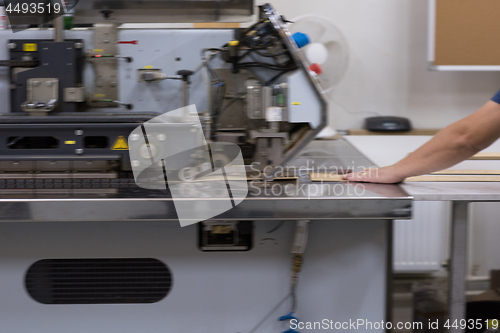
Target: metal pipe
[59,29]
[185,92]
[458,265]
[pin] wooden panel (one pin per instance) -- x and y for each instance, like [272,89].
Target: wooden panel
[325,177]
[275,179]
[493,177]
[453,178]
[486,156]
[467,32]
[467,172]
[216,25]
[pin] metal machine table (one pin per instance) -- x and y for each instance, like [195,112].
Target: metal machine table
[459,194]
[364,213]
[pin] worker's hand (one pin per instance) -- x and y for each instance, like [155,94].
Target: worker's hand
[385,175]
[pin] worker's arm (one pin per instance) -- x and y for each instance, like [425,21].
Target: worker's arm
[453,144]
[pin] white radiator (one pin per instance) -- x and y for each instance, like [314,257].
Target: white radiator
[421,244]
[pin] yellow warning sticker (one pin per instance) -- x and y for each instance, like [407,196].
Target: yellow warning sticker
[120,144]
[29,47]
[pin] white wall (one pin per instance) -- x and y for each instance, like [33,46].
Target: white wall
[387,72]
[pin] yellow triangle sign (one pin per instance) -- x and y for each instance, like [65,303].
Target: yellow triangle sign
[120,143]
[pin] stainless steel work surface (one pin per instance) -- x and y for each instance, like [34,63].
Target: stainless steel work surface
[448,191]
[385,150]
[279,199]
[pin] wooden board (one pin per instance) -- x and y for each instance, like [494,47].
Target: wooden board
[417,131]
[466,32]
[325,177]
[494,177]
[453,178]
[216,25]
[467,172]
[275,179]
[486,156]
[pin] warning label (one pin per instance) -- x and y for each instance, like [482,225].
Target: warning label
[120,144]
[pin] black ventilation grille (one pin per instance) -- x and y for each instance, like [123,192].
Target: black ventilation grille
[98,281]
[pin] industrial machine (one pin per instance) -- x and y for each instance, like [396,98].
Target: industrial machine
[86,247]
[75,99]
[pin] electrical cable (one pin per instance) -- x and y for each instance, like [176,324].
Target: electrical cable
[296,268]
[212,49]
[269,314]
[233,100]
[216,108]
[265,65]
[16,140]
[218,86]
[274,78]
[269,55]
[279,225]
[19,63]
[294,298]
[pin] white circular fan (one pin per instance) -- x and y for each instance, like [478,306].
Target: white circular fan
[328,48]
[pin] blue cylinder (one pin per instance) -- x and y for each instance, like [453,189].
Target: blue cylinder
[301,39]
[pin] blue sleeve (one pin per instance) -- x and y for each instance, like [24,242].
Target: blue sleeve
[496,98]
